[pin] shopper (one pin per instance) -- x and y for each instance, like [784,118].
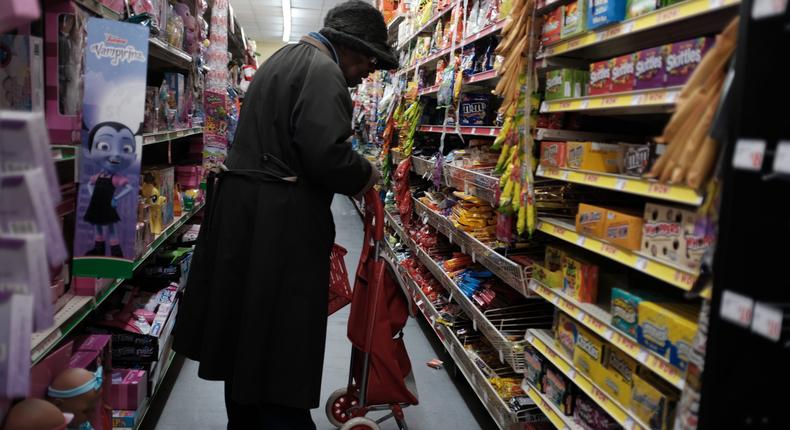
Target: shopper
[255,307]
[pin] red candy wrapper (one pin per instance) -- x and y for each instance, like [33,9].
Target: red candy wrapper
[552,154]
[600,78]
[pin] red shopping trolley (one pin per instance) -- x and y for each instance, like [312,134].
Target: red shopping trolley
[380,377]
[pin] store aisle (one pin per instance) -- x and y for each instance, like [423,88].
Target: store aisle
[447,402]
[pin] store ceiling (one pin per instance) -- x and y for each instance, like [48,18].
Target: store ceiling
[263,19]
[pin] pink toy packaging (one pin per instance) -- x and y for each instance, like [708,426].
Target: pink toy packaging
[16,13]
[128,390]
[64,47]
[21,73]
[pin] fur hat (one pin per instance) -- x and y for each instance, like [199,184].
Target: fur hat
[360,26]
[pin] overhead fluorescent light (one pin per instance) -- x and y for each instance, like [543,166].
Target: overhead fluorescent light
[286,4]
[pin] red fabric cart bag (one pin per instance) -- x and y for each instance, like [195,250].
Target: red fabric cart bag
[389,361]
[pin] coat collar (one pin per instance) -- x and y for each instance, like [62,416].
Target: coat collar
[310,40]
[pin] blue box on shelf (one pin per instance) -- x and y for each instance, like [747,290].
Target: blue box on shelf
[605,12]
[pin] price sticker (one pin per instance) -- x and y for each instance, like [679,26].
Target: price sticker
[555,300]
[609,101]
[636,100]
[581,240]
[474,258]
[599,36]
[608,333]
[544,107]
[584,104]
[782,158]
[530,337]
[767,321]
[641,263]
[628,27]
[749,154]
[501,357]
[620,184]
[629,423]
[642,356]
[425,219]
[608,249]
[715,4]
[564,175]
[474,324]
[736,308]
[671,97]
[571,373]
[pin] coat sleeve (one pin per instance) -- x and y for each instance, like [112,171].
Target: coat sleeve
[321,124]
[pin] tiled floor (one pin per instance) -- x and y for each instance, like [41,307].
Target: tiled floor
[446,400]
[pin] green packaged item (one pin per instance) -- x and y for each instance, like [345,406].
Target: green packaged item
[636,8]
[562,84]
[582,77]
[574,19]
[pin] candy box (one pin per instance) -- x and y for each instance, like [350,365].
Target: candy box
[592,156]
[669,234]
[591,220]
[588,354]
[625,309]
[560,83]
[580,279]
[574,18]
[559,390]
[635,8]
[668,329]
[635,159]
[622,73]
[623,229]
[618,379]
[600,78]
[566,330]
[681,58]
[21,73]
[549,278]
[554,256]
[552,26]
[649,69]
[590,416]
[123,419]
[128,389]
[474,109]
[653,401]
[535,367]
[552,154]
[604,12]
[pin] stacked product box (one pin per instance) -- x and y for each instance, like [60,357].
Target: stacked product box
[565,83]
[671,234]
[665,66]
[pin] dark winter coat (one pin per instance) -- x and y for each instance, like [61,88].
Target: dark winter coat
[255,306]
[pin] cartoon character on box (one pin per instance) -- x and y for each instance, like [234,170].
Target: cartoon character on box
[111,146]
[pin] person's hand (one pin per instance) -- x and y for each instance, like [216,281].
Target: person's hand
[375,177]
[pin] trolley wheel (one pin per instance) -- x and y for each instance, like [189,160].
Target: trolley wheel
[338,405]
[360,423]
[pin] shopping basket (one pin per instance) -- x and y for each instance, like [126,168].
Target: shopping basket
[339,287]
[380,377]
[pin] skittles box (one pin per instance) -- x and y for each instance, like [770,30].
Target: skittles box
[682,58]
[648,69]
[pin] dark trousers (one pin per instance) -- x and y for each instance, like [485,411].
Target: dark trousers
[265,416]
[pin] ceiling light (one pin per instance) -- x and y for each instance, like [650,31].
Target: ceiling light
[286,4]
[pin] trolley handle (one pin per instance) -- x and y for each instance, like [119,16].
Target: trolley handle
[374,213]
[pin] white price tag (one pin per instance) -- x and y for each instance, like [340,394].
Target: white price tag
[620,184]
[642,356]
[628,27]
[544,107]
[767,321]
[530,337]
[782,158]
[629,423]
[564,175]
[749,154]
[580,240]
[474,258]
[474,131]
[641,263]
[580,315]
[555,300]
[541,135]
[715,4]
[736,308]
[474,323]
[419,303]
[636,100]
[607,334]
[768,8]
[451,296]
[671,96]
[425,219]
[501,357]
[599,36]
[585,103]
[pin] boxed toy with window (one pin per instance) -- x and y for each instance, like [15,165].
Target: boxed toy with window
[681,58]
[668,329]
[623,229]
[600,78]
[591,220]
[552,26]
[653,401]
[574,18]
[162,179]
[618,380]
[588,354]
[552,154]
[649,69]
[670,234]
[622,73]
[580,279]
[21,73]
[64,48]
[559,390]
[128,389]
[604,12]
[176,96]
[592,156]
[566,330]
